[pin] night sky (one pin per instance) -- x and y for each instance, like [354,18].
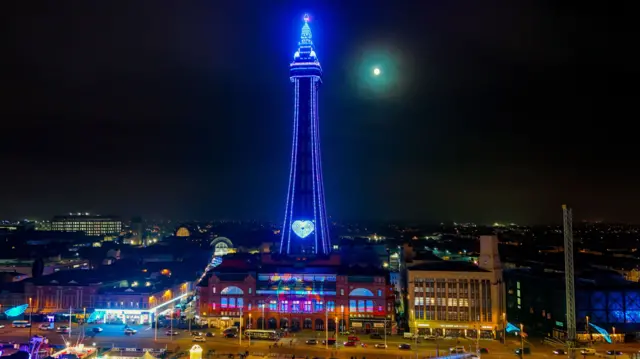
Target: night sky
[183,109]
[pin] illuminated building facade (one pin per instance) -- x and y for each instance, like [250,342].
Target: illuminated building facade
[278,297]
[90,225]
[305,229]
[458,298]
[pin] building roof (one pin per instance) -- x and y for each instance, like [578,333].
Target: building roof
[447,266]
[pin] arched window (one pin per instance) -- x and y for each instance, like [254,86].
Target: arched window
[361,292]
[231,290]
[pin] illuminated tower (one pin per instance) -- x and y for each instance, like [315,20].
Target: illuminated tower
[305,229]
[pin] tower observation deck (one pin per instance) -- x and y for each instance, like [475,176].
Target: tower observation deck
[305,230]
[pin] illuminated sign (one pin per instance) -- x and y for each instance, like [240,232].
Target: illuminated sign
[302,229]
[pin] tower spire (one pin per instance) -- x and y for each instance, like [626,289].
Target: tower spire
[305,34]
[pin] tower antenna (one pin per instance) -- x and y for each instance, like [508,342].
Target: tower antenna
[570,290]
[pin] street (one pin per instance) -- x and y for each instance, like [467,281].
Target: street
[113,336]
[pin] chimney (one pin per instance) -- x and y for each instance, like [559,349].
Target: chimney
[489,257]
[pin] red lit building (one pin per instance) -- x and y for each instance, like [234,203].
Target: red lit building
[297,295]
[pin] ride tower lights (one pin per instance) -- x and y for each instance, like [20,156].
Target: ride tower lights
[305,230]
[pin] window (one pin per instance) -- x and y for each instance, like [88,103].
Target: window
[307,306]
[361,306]
[249,305]
[273,305]
[379,292]
[250,290]
[223,303]
[232,290]
[331,306]
[341,291]
[214,289]
[240,302]
[352,306]
[284,306]
[319,306]
[232,302]
[295,306]
[361,292]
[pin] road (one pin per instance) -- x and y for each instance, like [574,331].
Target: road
[113,336]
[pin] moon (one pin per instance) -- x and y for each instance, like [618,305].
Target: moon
[376,71]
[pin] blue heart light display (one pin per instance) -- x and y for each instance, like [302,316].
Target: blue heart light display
[302,229]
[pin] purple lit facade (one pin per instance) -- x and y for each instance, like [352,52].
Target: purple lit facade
[305,230]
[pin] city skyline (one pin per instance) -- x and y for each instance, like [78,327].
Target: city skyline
[471,115]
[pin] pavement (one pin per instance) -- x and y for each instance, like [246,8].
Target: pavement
[146,337]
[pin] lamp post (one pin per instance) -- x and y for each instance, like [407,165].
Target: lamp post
[586,328]
[326,328]
[84,316]
[385,333]
[250,324]
[240,327]
[263,319]
[504,328]
[30,317]
[337,333]
[614,340]
[155,332]
[521,340]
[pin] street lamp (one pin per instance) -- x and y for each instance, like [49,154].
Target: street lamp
[250,328]
[521,340]
[504,328]
[614,340]
[30,317]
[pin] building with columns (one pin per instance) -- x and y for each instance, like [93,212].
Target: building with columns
[302,295]
[458,298]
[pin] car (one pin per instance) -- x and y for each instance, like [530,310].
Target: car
[96,329]
[483,351]
[198,338]
[404,346]
[588,351]
[331,341]
[44,326]
[614,352]
[197,334]
[520,351]
[230,335]
[430,337]
[375,336]
[456,350]
[210,334]
[311,342]
[130,331]
[380,346]
[349,344]
[171,332]
[63,329]
[559,352]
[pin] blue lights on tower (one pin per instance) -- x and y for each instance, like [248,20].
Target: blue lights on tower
[305,229]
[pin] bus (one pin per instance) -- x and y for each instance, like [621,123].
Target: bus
[261,334]
[21,324]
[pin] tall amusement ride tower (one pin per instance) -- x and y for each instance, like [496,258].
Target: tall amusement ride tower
[305,230]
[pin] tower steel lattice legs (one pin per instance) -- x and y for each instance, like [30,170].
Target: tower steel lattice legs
[570,291]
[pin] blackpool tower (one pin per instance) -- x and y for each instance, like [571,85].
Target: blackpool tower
[305,230]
